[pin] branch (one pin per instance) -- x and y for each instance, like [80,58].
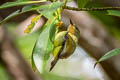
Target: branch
[91,9]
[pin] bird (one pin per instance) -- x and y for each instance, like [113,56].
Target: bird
[65,43]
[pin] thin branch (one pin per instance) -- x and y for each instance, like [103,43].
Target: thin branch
[65,2]
[91,9]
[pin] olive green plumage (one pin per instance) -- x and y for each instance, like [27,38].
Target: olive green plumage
[65,44]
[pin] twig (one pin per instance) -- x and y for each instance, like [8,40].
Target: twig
[91,9]
[65,2]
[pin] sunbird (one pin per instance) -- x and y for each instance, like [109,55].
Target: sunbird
[65,43]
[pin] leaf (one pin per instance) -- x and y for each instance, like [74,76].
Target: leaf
[34,7]
[30,26]
[48,10]
[44,45]
[29,8]
[23,0]
[113,13]
[108,55]
[18,12]
[35,19]
[82,3]
[18,3]
[10,16]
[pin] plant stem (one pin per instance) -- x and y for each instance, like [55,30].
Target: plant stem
[65,2]
[91,9]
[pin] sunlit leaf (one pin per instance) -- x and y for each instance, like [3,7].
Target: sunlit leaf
[114,13]
[35,19]
[18,3]
[108,55]
[82,3]
[48,10]
[44,45]
[30,26]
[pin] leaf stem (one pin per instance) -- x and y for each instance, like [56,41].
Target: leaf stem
[91,9]
[65,2]
[18,3]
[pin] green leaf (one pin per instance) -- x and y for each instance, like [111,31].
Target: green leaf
[3,73]
[48,10]
[10,16]
[44,45]
[113,13]
[32,24]
[18,12]
[82,3]
[51,8]
[30,8]
[18,3]
[108,55]
[25,9]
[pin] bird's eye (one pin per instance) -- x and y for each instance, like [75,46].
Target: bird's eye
[76,28]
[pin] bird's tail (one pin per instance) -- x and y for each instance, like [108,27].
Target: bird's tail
[53,63]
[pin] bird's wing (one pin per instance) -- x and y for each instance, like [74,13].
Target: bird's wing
[69,48]
[61,48]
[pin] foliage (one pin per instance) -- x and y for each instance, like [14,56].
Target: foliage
[108,55]
[114,13]
[44,45]
[3,73]
[49,76]
[30,26]
[82,3]
[17,3]
[52,11]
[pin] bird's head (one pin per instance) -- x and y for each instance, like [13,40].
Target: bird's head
[72,28]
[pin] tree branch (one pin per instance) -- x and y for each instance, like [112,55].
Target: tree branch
[91,9]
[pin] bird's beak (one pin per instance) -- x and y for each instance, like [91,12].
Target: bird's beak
[71,22]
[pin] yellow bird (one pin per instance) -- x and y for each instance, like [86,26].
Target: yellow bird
[65,43]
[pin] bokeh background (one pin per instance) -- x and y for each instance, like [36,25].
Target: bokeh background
[100,33]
